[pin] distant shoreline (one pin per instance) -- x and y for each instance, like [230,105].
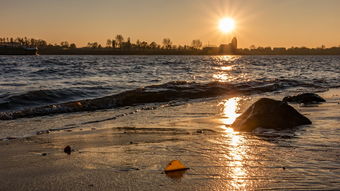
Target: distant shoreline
[106,51]
[120,47]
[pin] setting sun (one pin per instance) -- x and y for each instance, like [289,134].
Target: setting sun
[226,25]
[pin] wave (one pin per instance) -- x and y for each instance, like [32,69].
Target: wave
[37,97]
[171,91]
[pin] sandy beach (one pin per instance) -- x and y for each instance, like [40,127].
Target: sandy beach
[130,152]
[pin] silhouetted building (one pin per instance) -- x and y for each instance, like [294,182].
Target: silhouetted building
[230,48]
[211,50]
[233,44]
[225,48]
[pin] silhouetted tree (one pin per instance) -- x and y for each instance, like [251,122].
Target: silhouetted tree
[108,43]
[153,45]
[92,45]
[144,44]
[138,44]
[73,46]
[127,44]
[167,43]
[120,40]
[114,43]
[64,44]
[196,44]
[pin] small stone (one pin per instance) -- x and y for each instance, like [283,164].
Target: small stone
[199,131]
[68,150]
[43,132]
[43,154]
[284,168]
[131,142]
[91,185]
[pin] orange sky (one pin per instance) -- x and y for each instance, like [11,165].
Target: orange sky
[273,23]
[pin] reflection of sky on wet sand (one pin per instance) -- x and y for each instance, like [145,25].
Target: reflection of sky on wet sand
[230,108]
[235,141]
[222,159]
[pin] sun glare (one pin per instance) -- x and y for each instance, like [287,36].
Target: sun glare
[226,25]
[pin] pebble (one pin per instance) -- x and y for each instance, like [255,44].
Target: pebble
[43,132]
[68,150]
[199,131]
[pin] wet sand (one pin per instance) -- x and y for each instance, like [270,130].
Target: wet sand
[129,153]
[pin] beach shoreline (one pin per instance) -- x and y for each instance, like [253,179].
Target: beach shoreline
[131,153]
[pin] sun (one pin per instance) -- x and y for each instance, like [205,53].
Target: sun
[226,25]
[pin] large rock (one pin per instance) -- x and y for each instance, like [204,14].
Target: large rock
[269,114]
[305,98]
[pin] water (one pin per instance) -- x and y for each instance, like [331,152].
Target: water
[187,93]
[30,82]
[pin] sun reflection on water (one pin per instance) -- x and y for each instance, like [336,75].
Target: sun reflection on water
[225,65]
[230,108]
[236,154]
[226,68]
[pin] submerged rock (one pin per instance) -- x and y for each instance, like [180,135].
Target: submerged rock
[305,98]
[269,114]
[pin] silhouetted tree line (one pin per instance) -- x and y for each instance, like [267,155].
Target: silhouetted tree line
[31,42]
[116,45]
[120,45]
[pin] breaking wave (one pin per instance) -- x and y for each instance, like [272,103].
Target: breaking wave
[171,91]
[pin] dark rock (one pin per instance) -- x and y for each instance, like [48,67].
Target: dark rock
[43,154]
[68,150]
[269,114]
[199,131]
[305,98]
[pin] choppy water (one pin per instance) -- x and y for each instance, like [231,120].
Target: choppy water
[27,84]
[38,93]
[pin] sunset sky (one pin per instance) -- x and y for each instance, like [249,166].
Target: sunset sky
[275,23]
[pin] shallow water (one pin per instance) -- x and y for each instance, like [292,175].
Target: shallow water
[203,98]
